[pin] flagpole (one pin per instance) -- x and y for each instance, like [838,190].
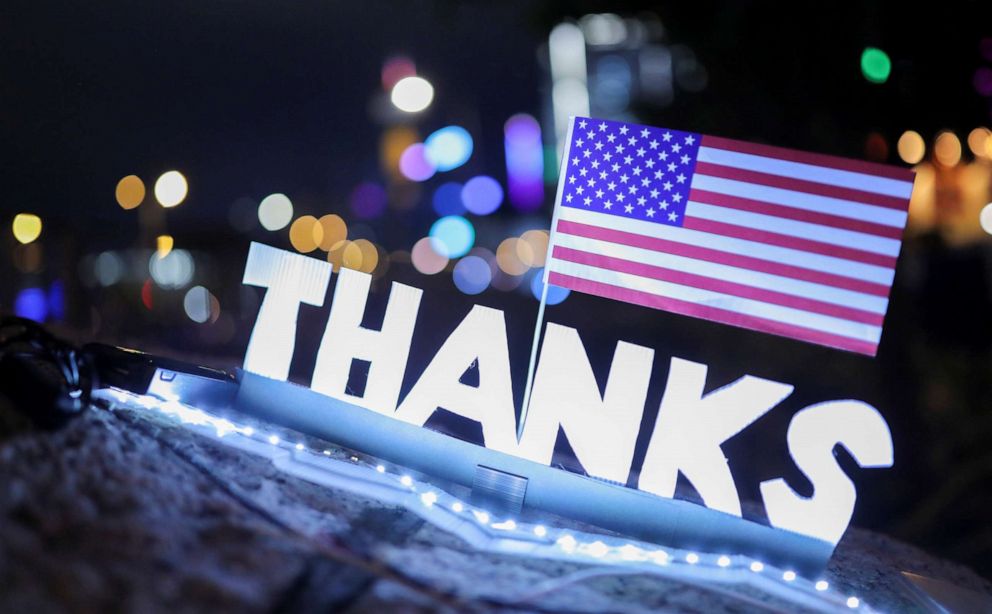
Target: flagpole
[533,360]
[544,291]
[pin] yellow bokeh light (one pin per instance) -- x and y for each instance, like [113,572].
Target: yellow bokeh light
[335,255]
[947,149]
[306,234]
[27,227]
[507,258]
[394,142]
[333,231]
[911,147]
[537,241]
[130,192]
[164,245]
[351,256]
[369,256]
[979,142]
[171,189]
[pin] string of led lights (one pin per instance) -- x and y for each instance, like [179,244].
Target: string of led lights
[478,526]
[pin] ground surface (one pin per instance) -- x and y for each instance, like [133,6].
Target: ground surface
[124,512]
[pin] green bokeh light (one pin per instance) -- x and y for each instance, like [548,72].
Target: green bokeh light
[875,65]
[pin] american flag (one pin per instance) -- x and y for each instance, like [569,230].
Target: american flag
[784,242]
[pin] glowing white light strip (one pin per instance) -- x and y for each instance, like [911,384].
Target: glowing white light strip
[477,526]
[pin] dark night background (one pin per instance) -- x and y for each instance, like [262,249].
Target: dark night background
[251,98]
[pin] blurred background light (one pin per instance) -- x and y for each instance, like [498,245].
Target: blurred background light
[29,258]
[556,294]
[947,149]
[412,94]
[569,94]
[449,147]
[396,68]
[482,195]
[170,189]
[472,275]
[415,165]
[351,256]
[275,212]
[56,300]
[508,256]
[537,243]
[426,259]
[452,236]
[130,192]
[306,234]
[978,142]
[447,199]
[333,231]
[31,303]
[985,218]
[173,271]
[604,30]
[876,147]
[524,162]
[163,245]
[196,304]
[393,143]
[26,227]
[108,269]
[983,81]
[368,200]
[875,65]
[911,147]
[368,257]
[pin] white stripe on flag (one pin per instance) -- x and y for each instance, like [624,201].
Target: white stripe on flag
[807,172]
[731,245]
[787,315]
[756,279]
[801,200]
[804,230]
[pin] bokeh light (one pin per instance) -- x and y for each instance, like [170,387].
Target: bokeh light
[26,227]
[979,142]
[108,269]
[412,94]
[472,275]
[164,245]
[275,212]
[31,303]
[351,256]
[537,241]
[876,147]
[983,80]
[130,192]
[508,259]
[334,230]
[196,304]
[449,147]
[171,189]
[147,298]
[947,149]
[556,294]
[452,236]
[482,195]
[524,162]
[369,255]
[306,234]
[173,271]
[447,199]
[29,258]
[985,218]
[425,259]
[393,143]
[415,165]
[911,147]
[368,200]
[396,68]
[875,65]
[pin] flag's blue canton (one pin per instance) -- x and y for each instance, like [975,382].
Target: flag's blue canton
[629,170]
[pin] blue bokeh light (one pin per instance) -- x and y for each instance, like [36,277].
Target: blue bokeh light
[556,294]
[31,303]
[482,195]
[472,275]
[448,199]
[449,147]
[452,236]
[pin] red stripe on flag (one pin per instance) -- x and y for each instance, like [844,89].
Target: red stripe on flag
[712,313]
[800,215]
[763,236]
[717,285]
[719,257]
[857,166]
[801,185]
